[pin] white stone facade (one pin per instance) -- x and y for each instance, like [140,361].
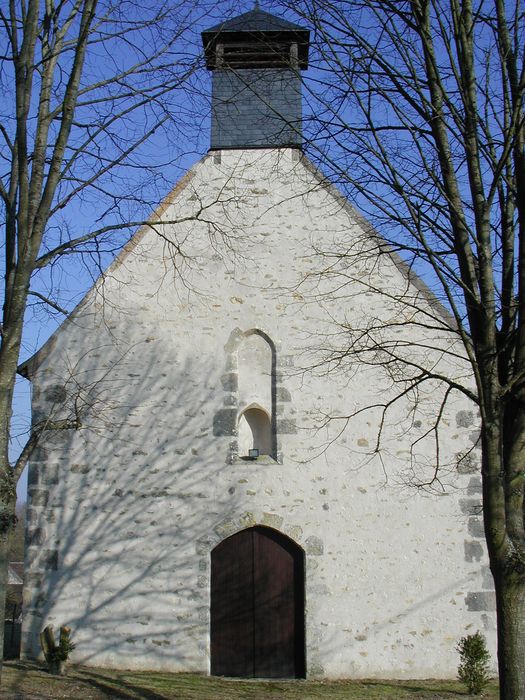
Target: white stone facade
[161,359]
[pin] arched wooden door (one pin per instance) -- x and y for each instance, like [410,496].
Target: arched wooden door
[257,606]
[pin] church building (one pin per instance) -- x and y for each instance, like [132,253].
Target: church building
[238,495]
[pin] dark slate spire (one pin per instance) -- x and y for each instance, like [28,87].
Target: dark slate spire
[256,60]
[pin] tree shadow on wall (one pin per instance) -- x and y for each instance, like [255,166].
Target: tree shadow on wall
[118,508]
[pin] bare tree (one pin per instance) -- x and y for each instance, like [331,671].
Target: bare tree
[419,114]
[86,86]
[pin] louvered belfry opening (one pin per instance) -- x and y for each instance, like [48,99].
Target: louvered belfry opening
[256,54]
[257,606]
[256,60]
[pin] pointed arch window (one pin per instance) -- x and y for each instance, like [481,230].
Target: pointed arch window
[254,431]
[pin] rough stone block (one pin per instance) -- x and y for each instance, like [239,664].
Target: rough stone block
[473,550]
[314,546]
[286,426]
[39,454]
[38,497]
[247,520]
[38,416]
[474,486]
[235,338]
[50,516]
[225,422]
[475,527]
[481,600]
[204,614]
[486,576]
[294,532]
[474,438]
[79,468]
[464,419]
[36,536]
[50,560]
[31,516]
[470,506]
[226,528]
[467,464]
[315,670]
[33,580]
[230,382]
[55,393]
[282,394]
[272,520]
[50,474]
[32,475]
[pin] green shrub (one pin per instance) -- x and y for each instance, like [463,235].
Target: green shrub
[473,669]
[63,650]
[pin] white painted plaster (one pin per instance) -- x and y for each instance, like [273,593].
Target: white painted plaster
[145,489]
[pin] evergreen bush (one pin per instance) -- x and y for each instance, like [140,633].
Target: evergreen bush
[473,669]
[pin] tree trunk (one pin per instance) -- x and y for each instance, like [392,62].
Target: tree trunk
[3,588]
[9,352]
[503,445]
[510,600]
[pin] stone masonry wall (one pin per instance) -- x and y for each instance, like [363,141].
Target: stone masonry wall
[124,512]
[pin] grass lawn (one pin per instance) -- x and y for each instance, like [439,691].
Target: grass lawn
[21,678]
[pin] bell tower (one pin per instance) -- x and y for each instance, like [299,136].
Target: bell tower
[256,59]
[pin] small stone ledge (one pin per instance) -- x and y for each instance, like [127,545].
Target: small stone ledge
[267,460]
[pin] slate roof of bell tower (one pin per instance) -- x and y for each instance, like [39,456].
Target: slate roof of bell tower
[255,20]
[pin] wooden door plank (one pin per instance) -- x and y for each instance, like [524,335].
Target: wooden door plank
[232,607]
[275,605]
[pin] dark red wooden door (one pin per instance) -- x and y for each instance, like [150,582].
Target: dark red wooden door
[257,606]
